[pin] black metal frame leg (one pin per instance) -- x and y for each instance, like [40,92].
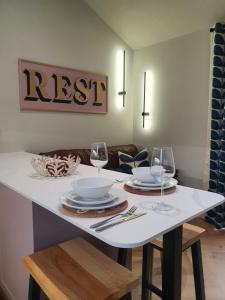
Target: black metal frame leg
[122,258]
[34,292]
[172,264]
[198,270]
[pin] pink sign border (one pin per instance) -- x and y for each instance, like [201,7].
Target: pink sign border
[21,100]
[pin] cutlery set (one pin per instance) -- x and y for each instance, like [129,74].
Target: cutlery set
[125,219]
[128,213]
[121,218]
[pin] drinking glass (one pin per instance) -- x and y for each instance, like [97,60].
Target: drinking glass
[99,155]
[163,158]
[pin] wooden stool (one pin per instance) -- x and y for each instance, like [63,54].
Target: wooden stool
[77,270]
[191,238]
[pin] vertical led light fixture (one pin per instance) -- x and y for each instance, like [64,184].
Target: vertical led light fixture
[123,92]
[144,113]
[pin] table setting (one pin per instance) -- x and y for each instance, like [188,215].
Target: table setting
[94,197]
[100,197]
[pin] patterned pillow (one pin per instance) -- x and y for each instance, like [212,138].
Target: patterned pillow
[127,162]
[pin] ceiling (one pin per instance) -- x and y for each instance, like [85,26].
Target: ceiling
[141,23]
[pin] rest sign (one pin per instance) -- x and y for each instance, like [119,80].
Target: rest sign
[46,87]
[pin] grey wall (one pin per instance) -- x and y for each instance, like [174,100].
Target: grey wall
[177,99]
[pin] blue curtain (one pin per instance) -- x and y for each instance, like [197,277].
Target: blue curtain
[217,148]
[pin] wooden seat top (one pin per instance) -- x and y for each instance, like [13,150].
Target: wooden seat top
[191,234]
[77,270]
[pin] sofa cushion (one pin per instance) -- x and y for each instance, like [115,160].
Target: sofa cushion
[127,162]
[84,154]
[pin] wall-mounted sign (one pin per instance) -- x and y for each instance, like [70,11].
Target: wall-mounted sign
[52,88]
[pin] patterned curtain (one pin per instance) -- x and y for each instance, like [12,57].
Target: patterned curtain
[217,147]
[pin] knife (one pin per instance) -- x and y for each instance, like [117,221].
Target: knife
[126,219]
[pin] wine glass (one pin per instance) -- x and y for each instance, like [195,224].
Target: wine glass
[162,168]
[99,155]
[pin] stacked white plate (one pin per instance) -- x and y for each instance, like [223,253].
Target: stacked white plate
[150,186]
[111,199]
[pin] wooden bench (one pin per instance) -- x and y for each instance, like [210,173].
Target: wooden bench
[77,270]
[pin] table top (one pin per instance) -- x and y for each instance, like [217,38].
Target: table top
[17,174]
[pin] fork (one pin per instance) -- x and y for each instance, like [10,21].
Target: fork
[128,213]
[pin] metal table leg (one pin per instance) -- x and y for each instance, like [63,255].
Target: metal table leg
[172,264]
[122,256]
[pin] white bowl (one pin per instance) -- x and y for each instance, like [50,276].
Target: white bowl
[149,174]
[143,174]
[92,187]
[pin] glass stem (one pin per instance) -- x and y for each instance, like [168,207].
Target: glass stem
[162,192]
[99,169]
[162,185]
[161,204]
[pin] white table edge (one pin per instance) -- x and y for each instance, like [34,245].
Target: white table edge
[98,235]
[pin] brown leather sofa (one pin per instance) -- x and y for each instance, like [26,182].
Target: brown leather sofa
[84,154]
[113,163]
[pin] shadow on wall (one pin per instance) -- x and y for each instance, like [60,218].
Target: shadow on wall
[190,181]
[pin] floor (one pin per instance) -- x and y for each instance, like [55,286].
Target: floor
[213,250]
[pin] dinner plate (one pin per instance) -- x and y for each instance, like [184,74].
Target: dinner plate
[149,184]
[87,201]
[118,198]
[170,184]
[72,204]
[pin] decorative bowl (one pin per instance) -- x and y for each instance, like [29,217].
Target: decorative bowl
[92,187]
[55,166]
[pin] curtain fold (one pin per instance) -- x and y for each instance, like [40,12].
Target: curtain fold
[216,216]
[206,168]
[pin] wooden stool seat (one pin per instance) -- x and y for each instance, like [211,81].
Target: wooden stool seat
[77,270]
[191,234]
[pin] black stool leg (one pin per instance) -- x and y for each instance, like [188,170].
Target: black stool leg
[121,259]
[147,265]
[34,290]
[198,271]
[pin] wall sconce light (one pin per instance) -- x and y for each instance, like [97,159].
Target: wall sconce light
[144,113]
[123,92]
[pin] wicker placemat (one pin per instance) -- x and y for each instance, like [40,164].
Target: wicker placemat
[93,213]
[129,189]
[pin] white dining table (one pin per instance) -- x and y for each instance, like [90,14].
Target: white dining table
[17,174]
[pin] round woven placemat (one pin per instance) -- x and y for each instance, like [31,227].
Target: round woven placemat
[93,213]
[129,189]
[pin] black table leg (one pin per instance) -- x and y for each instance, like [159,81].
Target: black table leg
[172,264]
[122,258]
